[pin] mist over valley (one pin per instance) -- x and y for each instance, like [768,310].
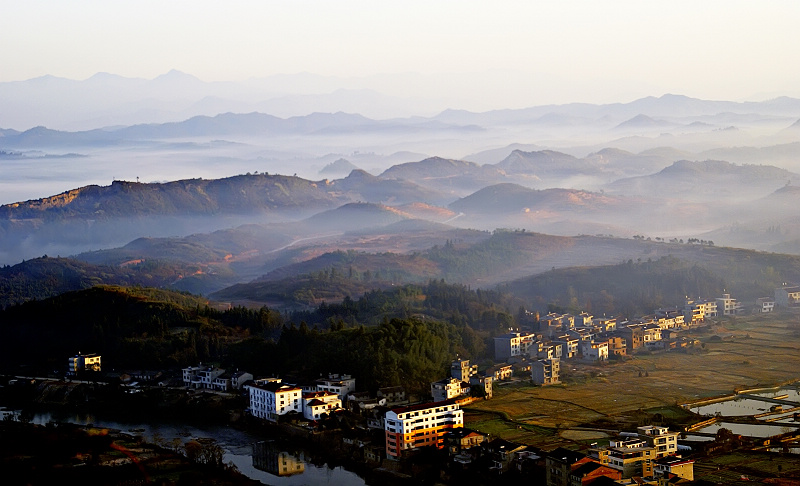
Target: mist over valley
[253,200]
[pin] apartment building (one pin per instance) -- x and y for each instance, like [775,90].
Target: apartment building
[424,425]
[512,344]
[787,296]
[727,306]
[633,457]
[460,369]
[448,388]
[338,384]
[83,362]
[545,371]
[271,399]
[664,441]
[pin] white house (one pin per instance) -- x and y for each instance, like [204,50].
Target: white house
[764,305]
[203,377]
[271,399]
[664,441]
[594,350]
[338,384]
[315,404]
[448,388]
[728,306]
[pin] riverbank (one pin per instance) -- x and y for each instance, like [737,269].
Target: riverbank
[69,454]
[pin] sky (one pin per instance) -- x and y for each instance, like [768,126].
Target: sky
[555,52]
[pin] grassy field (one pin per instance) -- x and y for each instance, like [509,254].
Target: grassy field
[738,353]
[746,468]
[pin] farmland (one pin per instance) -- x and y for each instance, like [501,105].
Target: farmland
[731,354]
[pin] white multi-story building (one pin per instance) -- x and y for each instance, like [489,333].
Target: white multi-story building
[545,371]
[460,369]
[787,296]
[424,425]
[727,306]
[512,344]
[271,399]
[448,388]
[660,438]
[568,344]
[338,384]
[205,377]
[651,333]
[696,311]
[764,305]
[605,324]
[83,362]
[594,350]
[315,404]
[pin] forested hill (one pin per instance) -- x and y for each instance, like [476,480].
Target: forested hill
[405,336]
[131,327]
[639,287]
[44,277]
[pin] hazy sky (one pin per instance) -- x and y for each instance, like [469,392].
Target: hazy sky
[571,51]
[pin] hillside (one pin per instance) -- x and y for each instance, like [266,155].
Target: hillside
[664,279]
[238,194]
[449,176]
[689,179]
[366,187]
[45,277]
[432,167]
[512,198]
[129,326]
[540,162]
[338,168]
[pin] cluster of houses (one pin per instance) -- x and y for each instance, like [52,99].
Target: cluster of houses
[565,336]
[648,456]
[213,378]
[405,427]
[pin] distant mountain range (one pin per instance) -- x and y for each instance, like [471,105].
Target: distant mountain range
[105,100]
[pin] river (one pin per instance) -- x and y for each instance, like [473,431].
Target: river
[267,461]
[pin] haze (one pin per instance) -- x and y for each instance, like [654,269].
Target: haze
[467,55]
[623,118]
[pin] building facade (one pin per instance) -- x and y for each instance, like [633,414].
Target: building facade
[787,296]
[546,371]
[425,425]
[84,362]
[664,441]
[338,384]
[448,388]
[317,404]
[271,399]
[512,344]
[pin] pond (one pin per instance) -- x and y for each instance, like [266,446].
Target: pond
[750,430]
[739,406]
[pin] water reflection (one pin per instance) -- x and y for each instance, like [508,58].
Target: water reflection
[270,457]
[248,452]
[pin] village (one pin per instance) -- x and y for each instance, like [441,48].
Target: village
[393,426]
